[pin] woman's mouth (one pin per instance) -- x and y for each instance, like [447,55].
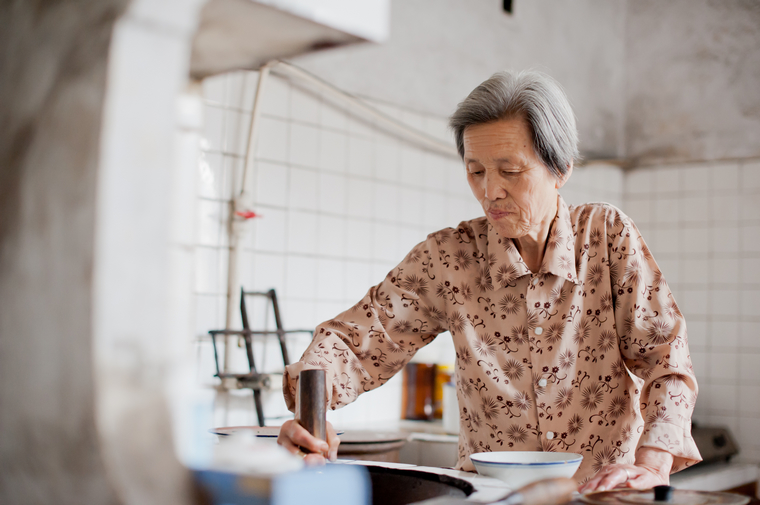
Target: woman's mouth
[497,213]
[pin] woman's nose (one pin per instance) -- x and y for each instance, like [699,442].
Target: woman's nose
[494,190]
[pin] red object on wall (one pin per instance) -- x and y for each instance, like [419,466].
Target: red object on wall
[247,214]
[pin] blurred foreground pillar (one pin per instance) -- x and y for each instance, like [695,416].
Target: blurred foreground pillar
[88,260]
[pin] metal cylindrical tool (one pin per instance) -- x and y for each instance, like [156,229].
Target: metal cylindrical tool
[312,396]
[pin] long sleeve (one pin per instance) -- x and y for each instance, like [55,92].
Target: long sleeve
[653,342]
[542,358]
[363,347]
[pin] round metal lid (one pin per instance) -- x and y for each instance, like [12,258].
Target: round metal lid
[257,431]
[371,437]
[679,497]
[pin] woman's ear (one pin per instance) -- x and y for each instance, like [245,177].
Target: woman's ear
[561,180]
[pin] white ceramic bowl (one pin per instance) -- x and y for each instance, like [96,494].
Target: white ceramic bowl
[518,468]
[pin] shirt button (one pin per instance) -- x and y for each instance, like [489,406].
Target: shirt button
[538,331]
[534,281]
[549,435]
[542,383]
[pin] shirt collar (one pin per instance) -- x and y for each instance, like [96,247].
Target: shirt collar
[559,256]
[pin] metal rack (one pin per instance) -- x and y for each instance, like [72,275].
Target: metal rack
[253,379]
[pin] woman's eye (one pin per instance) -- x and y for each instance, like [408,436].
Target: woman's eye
[476,172]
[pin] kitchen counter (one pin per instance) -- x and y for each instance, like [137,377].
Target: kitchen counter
[716,476]
[430,446]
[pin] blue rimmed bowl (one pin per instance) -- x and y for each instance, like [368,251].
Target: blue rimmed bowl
[518,468]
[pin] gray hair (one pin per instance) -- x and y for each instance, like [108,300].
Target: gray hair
[531,95]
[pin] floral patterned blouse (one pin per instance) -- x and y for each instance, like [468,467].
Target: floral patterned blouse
[588,355]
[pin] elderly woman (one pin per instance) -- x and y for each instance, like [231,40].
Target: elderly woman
[567,336]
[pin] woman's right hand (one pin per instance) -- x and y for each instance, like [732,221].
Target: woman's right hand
[293,436]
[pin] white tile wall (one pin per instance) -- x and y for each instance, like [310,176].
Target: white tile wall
[343,201]
[594,182]
[712,264]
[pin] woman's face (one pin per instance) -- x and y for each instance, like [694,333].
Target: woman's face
[513,186]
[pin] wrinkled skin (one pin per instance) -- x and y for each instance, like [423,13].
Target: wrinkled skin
[515,189]
[293,436]
[652,468]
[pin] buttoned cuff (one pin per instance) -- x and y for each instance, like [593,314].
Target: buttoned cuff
[674,439]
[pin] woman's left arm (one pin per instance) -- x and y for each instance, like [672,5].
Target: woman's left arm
[654,345]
